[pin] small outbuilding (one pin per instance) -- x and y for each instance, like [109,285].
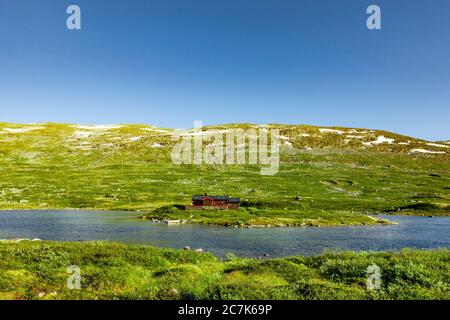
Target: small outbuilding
[218,202]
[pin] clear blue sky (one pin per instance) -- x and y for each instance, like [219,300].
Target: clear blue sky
[170,62]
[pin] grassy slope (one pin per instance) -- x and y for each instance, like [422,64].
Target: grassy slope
[336,176]
[113,271]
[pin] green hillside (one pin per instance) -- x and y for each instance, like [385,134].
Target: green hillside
[327,176]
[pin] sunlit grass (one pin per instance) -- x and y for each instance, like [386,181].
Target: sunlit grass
[114,271]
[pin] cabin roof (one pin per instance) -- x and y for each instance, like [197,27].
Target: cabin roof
[222,198]
[201,197]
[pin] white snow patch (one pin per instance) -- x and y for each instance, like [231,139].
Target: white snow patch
[82,134]
[304,135]
[383,139]
[108,145]
[354,137]
[331,130]
[438,145]
[157,145]
[380,140]
[21,130]
[288,143]
[425,151]
[135,139]
[356,131]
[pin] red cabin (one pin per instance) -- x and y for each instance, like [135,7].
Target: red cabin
[219,202]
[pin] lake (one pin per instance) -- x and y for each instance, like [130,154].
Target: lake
[71,225]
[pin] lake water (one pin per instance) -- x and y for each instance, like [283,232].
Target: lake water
[414,232]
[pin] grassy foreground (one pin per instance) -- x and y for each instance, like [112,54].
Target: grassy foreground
[30,270]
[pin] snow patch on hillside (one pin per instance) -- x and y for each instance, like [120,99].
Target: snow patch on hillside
[331,131]
[380,140]
[357,131]
[438,145]
[82,134]
[135,139]
[21,130]
[425,151]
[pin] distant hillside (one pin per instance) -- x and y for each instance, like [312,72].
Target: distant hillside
[35,141]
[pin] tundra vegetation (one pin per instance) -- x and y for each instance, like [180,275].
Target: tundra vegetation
[35,270]
[327,176]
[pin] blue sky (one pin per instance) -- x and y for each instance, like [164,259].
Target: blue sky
[170,62]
